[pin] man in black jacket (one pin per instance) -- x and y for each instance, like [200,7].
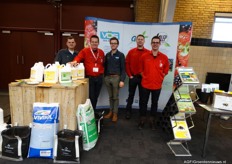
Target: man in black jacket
[114,77]
[67,55]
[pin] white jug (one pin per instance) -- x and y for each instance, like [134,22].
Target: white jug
[74,72]
[36,73]
[50,73]
[65,75]
[80,71]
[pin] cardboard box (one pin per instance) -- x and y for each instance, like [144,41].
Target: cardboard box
[223,101]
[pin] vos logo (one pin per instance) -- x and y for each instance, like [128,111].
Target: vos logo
[109,34]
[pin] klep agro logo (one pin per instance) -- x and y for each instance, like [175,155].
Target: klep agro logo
[109,34]
[163,36]
[164,39]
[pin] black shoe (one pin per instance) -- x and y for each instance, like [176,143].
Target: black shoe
[153,125]
[141,125]
[128,115]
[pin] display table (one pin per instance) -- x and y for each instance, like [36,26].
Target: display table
[69,96]
[212,111]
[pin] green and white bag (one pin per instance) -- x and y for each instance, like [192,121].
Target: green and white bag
[86,123]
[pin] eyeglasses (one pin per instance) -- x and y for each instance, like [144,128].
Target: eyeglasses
[94,42]
[113,43]
[155,42]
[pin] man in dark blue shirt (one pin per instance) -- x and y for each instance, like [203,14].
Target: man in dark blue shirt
[114,77]
[67,55]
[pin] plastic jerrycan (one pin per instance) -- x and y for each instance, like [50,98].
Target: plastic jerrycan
[37,72]
[50,74]
[80,71]
[65,75]
[74,72]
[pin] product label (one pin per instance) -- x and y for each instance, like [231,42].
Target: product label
[49,75]
[81,73]
[74,74]
[33,74]
[65,76]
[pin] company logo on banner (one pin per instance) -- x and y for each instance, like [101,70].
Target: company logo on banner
[126,33]
[133,38]
[105,36]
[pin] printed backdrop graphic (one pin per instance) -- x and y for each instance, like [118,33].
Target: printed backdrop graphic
[172,45]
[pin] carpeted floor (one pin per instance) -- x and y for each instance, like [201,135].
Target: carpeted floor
[123,143]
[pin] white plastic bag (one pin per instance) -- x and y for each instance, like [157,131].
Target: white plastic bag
[86,122]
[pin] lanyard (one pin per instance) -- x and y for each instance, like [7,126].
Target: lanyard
[95,56]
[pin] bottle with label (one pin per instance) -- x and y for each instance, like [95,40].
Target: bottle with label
[50,74]
[36,73]
[80,71]
[74,71]
[65,75]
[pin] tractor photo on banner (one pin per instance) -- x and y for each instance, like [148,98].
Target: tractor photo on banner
[175,43]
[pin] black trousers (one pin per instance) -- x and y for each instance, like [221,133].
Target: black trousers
[133,83]
[95,85]
[154,101]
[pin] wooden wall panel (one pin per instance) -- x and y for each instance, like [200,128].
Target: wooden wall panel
[23,45]
[27,14]
[73,16]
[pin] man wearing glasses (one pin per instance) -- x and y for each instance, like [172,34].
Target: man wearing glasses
[114,77]
[154,67]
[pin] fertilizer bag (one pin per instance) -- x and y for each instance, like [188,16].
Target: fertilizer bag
[86,122]
[66,146]
[14,142]
[44,127]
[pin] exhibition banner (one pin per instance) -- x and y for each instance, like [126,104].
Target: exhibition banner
[126,33]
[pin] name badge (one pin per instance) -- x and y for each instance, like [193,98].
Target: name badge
[95,69]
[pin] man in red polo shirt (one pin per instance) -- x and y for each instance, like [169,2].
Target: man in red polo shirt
[132,63]
[154,67]
[93,59]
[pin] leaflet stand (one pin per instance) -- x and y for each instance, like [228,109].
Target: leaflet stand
[186,109]
[178,148]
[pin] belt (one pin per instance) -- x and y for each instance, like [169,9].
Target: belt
[87,76]
[137,75]
[113,75]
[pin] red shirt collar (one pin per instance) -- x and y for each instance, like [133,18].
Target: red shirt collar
[158,53]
